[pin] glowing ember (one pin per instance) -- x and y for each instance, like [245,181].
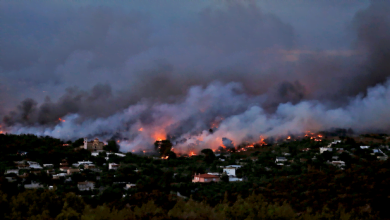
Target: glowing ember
[289,137]
[192,153]
[141,129]
[166,157]
[61,120]
[118,141]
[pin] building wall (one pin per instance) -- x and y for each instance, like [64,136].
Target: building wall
[230,171]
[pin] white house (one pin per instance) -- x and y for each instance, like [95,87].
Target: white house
[130,185]
[230,171]
[280,159]
[15,171]
[35,166]
[49,165]
[234,179]
[117,154]
[364,147]
[340,164]
[88,185]
[323,149]
[113,166]
[286,154]
[33,186]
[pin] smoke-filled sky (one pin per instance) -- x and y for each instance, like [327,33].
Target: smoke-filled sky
[177,68]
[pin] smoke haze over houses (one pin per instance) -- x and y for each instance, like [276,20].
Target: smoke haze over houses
[179,68]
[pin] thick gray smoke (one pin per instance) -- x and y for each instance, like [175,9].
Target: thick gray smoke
[244,69]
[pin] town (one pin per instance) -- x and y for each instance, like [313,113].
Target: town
[100,174]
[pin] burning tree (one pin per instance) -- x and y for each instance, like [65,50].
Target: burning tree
[163,147]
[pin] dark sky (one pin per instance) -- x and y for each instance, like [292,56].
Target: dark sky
[97,60]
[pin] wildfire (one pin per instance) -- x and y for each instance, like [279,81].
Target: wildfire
[289,137]
[192,153]
[250,146]
[118,141]
[141,129]
[61,120]
[1,132]
[166,157]
[262,142]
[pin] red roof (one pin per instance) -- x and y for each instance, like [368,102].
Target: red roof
[206,176]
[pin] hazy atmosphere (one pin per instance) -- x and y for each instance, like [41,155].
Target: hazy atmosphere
[146,70]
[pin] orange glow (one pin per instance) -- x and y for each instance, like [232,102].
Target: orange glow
[250,145]
[192,153]
[141,129]
[118,141]
[1,132]
[159,136]
[61,120]
[289,137]
[166,157]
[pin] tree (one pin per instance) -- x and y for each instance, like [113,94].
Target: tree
[163,147]
[209,155]
[225,178]
[112,146]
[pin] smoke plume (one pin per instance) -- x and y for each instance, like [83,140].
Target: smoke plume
[232,70]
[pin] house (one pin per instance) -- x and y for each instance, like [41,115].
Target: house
[23,167]
[64,169]
[57,176]
[71,171]
[22,153]
[230,171]
[130,186]
[89,166]
[49,165]
[50,172]
[15,171]
[335,158]
[33,186]
[94,145]
[340,164]
[323,149]
[113,166]
[234,179]
[364,147]
[64,164]
[205,178]
[35,166]
[305,149]
[117,154]
[87,185]
[280,159]
[286,154]
[336,141]
[382,157]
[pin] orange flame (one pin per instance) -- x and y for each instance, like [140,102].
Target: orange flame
[289,137]
[192,153]
[141,129]
[61,120]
